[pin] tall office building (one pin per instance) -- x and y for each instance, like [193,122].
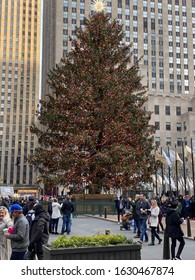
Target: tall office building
[163,32]
[20,27]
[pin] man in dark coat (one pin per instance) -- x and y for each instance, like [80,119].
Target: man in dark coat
[4,202]
[174,231]
[26,206]
[39,232]
[67,209]
[120,205]
[49,210]
[142,208]
[136,217]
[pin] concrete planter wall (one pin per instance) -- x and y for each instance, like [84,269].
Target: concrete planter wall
[122,252]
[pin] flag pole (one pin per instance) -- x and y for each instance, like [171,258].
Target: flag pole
[169,168]
[184,167]
[163,186]
[156,178]
[156,175]
[176,170]
[192,165]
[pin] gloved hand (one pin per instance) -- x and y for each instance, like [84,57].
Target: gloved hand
[31,247]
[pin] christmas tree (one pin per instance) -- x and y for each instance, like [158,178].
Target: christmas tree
[93,124]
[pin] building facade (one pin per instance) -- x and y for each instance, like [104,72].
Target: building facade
[20,27]
[162,32]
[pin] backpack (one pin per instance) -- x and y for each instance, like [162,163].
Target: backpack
[30,218]
[124,218]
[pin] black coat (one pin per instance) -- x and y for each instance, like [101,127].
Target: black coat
[135,214]
[173,222]
[67,207]
[49,208]
[118,202]
[39,232]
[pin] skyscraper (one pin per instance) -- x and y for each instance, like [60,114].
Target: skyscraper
[20,28]
[162,32]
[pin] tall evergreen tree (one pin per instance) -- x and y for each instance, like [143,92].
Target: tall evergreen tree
[93,124]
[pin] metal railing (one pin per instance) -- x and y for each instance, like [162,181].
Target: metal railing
[94,208]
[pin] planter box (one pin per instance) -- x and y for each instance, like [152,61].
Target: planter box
[119,252]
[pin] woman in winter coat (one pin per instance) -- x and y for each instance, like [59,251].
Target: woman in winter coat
[55,215]
[39,232]
[153,222]
[5,244]
[174,231]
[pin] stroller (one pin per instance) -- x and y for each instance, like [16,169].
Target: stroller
[126,220]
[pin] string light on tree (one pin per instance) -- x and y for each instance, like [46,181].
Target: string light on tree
[99,5]
[96,126]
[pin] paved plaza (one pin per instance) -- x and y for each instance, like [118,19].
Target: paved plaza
[87,225]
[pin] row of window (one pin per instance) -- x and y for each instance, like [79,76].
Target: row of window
[168,110]
[168,126]
[169,142]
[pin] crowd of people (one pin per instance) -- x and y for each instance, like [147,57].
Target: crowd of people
[149,213]
[25,226]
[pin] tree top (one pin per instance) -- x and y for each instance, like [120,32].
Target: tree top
[99,6]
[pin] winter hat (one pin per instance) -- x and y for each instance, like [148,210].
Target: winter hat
[31,198]
[173,205]
[15,207]
[38,208]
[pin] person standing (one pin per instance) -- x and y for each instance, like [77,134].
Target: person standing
[129,208]
[39,232]
[153,222]
[56,207]
[49,210]
[67,210]
[120,205]
[174,231]
[31,213]
[20,236]
[26,206]
[5,244]
[136,217]
[142,209]
[4,202]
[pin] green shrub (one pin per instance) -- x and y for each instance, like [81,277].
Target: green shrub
[91,241]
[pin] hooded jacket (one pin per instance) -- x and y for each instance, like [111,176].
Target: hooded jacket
[39,233]
[173,222]
[56,210]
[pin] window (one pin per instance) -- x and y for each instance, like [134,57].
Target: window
[157,141]
[157,125]
[178,111]
[156,109]
[179,142]
[168,141]
[167,110]
[179,126]
[184,126]
[168,126]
